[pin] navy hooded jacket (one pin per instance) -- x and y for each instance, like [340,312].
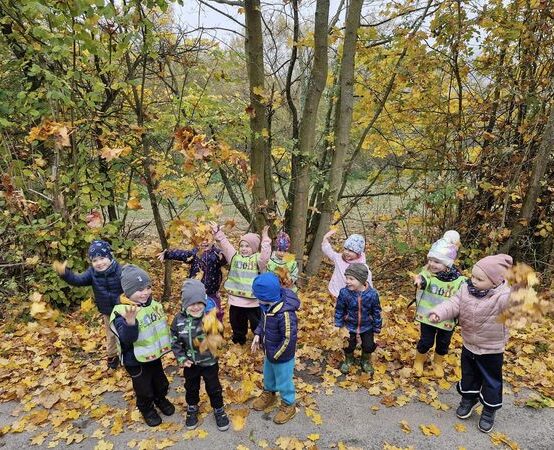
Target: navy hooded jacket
[278,328]
[106,285]
[358,311]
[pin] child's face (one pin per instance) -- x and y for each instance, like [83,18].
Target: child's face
[196,309]
[245,249]
[206,244]
[100,263]
[480,279]
[280,254]
[141,297]
[354,284]
[349,255]
[435,266]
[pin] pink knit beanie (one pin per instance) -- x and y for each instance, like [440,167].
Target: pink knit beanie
[495,267]
[253,240]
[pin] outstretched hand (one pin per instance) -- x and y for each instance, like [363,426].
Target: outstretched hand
[161,256]
[130,315]
[265,231]
[214,226]
[59,267]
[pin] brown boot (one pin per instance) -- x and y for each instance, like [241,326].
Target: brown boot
[286,412]
[264,401]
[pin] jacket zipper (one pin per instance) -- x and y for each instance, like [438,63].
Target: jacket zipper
[359,313]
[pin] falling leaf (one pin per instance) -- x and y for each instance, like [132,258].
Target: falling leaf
[94,219]
[134,203]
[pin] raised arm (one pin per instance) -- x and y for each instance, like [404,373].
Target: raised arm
[78,279]
[327,248]
[265,252]
[223,243]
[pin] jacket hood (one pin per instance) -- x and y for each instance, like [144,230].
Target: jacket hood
[289,302]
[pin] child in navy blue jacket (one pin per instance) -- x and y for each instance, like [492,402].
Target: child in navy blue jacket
[104,275]
[206,258]
[277,334]
[358,309]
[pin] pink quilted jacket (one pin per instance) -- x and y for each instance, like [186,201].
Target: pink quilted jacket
[482,332]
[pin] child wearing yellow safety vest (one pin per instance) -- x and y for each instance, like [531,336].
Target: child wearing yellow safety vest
[244,265]
[437,282]
[143,338]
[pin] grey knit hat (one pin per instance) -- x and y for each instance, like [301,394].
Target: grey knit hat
[358,271]
[133,279]
[193,291]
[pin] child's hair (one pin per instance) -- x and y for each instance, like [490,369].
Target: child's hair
[282,242]
[445,249]
[355,243]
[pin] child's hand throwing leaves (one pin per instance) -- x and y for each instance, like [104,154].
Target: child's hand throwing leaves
[215,227]
[255,344]
[59,267]
[130,315]
[265,232]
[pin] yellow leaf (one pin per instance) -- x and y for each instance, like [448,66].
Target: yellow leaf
[134,203]
[242,447]
[103,445]
[460,428]
[165,443]
[430,430]
[39,438]
[500,438]
[313,437]
[263,443]
[405,426]
[117,426]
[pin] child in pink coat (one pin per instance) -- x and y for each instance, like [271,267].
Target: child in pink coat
[354,252]
[244,266]
[478,305]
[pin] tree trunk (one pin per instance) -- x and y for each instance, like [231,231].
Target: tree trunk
[258,114]
[306,134]
[343,120]
[534,189]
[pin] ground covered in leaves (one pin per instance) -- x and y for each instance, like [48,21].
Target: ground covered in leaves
[52,370]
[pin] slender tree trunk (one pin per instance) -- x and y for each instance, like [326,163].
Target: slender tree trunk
[258,116]
[540,165]
[307,130]
[343,120]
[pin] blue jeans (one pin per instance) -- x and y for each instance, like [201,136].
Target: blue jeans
[279,378]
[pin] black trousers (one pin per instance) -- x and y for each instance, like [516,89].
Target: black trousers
[240,318]
[210,374]
[149,383]
[430,336]
[368,343]
[482,378]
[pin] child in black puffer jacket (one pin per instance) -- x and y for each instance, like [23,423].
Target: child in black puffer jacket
[104,275]
[187,333]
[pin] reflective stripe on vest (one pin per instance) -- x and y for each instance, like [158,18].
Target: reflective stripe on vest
[242,272]
[153,339]
[436,292]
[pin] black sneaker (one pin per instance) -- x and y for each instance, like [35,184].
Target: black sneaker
[465,409]
[486,422]
[113,362]
[165,406]
[191,422]
[221,419]
[151,417]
